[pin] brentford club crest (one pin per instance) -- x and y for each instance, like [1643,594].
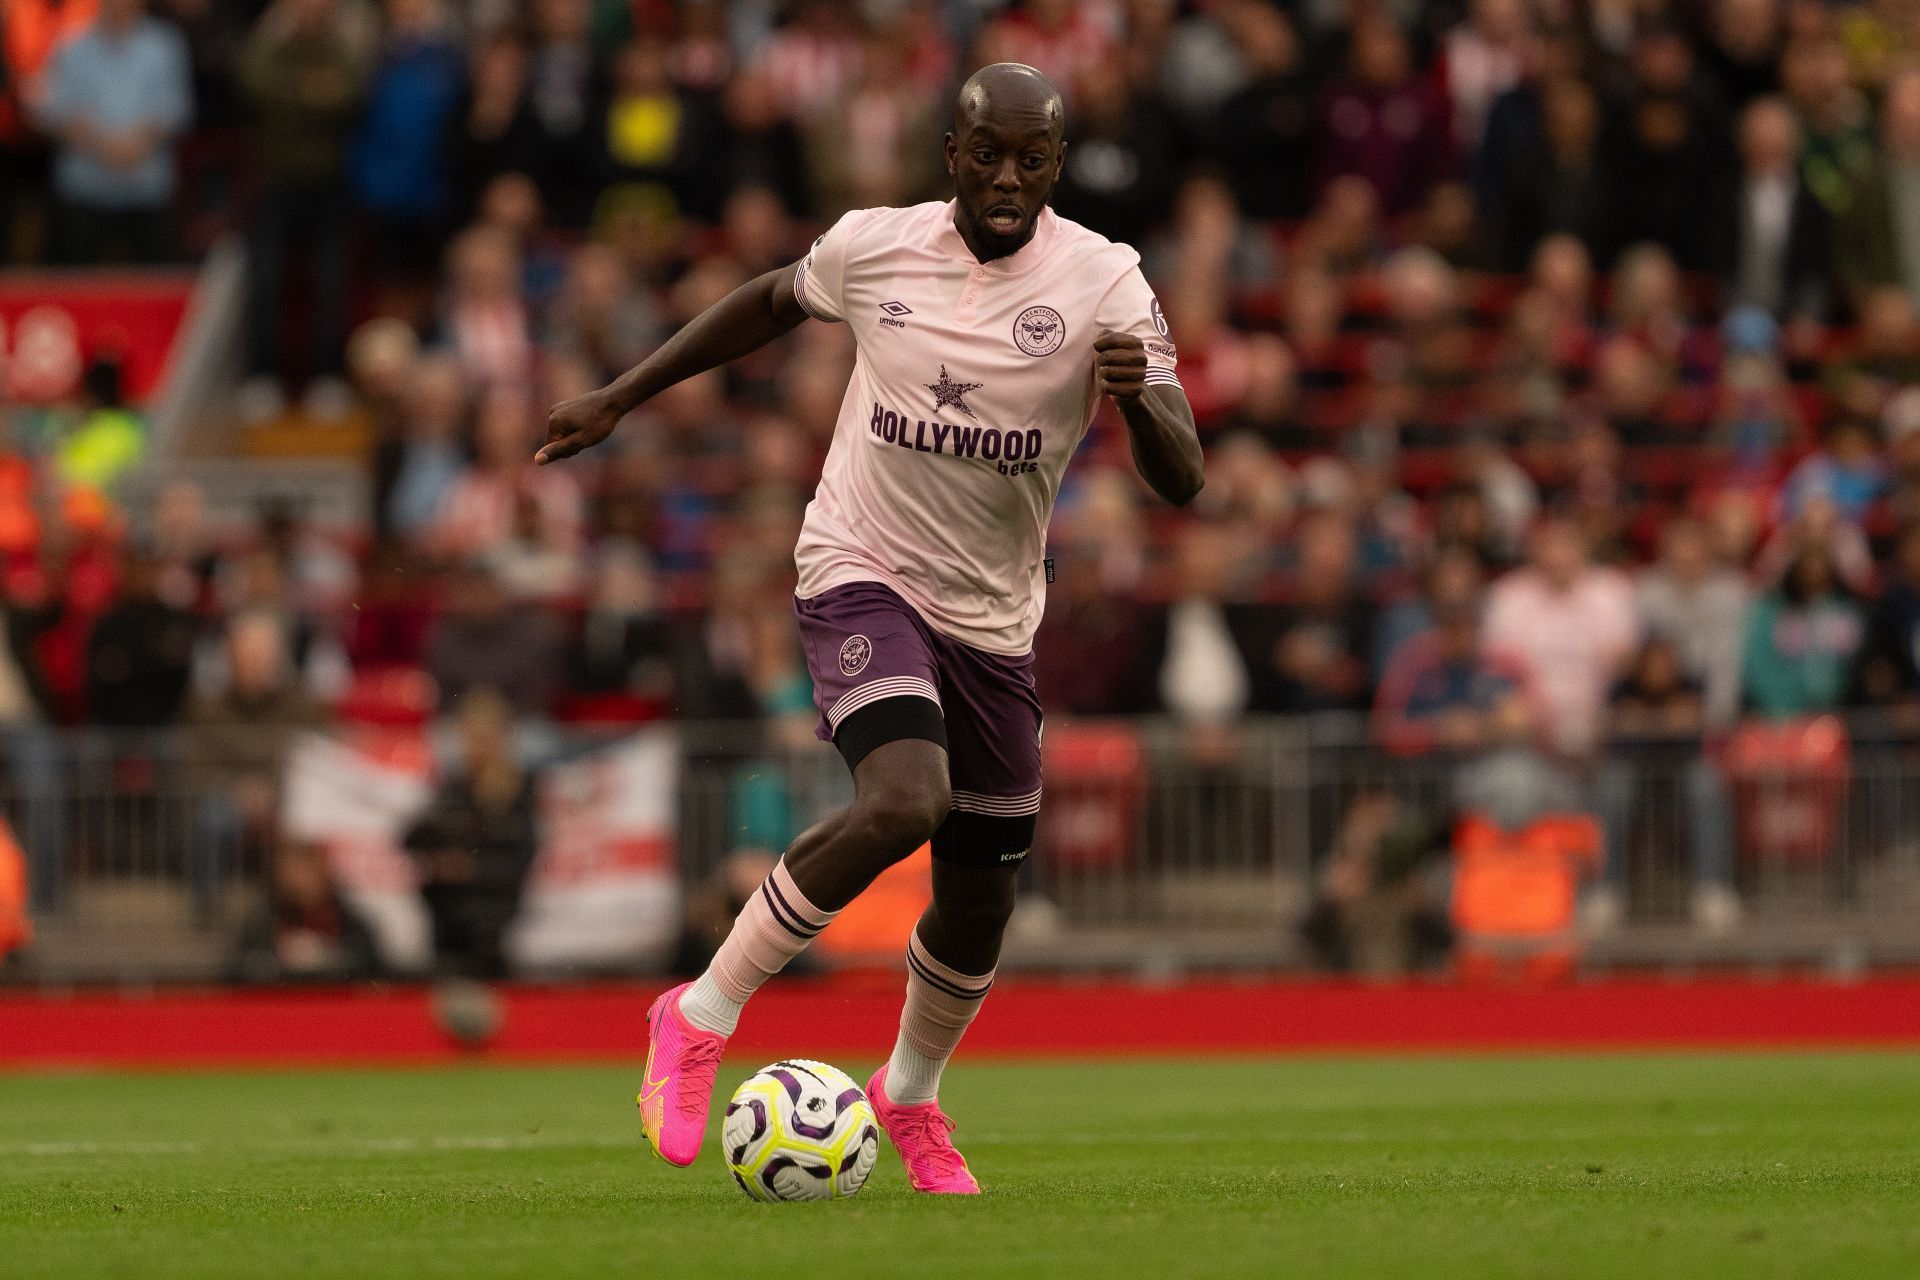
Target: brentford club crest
[1039,331]
[948,394]
[854,654]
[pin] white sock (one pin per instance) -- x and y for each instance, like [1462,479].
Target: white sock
[707,1007]
[941,1004]
[777,924]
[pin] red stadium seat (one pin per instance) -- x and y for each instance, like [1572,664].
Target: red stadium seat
[1096,776]
[1790,781]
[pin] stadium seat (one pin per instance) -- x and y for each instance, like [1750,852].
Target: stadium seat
[1790,781]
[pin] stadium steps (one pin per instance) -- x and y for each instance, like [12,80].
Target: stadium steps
[134,932]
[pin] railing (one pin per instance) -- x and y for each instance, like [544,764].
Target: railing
[1160,845]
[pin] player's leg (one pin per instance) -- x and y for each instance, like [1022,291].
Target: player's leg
[994,736]
[951,957]
[873,674]
[899,800]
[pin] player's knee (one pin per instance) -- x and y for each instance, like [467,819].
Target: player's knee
[983,908]
[902,818]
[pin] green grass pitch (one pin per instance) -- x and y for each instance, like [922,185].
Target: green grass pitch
[1690,1166]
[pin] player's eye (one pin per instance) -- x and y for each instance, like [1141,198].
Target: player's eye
[983,157]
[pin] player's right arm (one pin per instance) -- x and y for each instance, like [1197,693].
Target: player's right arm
[742,322]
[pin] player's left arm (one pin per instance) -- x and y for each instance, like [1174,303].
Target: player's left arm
[1166,445]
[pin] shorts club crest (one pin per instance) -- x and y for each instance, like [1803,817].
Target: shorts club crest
[854,655]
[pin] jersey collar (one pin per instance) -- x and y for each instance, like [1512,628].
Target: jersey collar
[1030,254]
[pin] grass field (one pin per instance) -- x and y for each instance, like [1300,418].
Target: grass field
[1695,1166]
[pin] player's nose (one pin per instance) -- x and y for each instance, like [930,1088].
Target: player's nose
[1006,178]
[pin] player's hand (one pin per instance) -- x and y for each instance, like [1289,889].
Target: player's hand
[576,424]
[1120,365]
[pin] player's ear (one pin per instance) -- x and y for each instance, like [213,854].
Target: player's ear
[953,156]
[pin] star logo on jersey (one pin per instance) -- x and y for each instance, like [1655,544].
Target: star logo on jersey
[948,393]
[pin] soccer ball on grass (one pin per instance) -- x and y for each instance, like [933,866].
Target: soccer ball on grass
[800,1130]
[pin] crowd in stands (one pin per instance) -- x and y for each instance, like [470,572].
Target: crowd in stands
[1555,361]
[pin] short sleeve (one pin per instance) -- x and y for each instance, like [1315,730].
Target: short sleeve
[1130,307]
[822,273]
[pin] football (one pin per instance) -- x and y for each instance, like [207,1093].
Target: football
[800,1130]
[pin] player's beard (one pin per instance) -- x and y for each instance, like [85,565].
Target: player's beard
[1001,244]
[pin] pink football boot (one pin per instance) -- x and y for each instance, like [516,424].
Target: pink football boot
[922,1135]
[678,1086]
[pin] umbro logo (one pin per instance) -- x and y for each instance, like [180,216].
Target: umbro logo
[891,313]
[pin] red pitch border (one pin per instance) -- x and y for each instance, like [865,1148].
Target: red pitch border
[854,1017]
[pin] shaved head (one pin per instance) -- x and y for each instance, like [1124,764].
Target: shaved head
[1010,93]
[1004,156]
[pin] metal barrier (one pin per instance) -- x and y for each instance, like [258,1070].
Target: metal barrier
[1159,843]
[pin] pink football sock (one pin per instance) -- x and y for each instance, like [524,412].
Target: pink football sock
[941,1004]
[776,925]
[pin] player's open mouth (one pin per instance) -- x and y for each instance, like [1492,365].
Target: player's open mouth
[1005,219]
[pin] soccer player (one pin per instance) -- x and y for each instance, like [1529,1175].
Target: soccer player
[986,329]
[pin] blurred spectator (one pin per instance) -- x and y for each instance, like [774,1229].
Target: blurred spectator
[1884,355]
[502,491]
[1801,640]
[1089,654]
[1838,146]
[1656,721]
[1204,645]
[1573,624]
[1889,665]
[1668,154]
[1264,137]
[484,315]
[115,98]
[1482,58]
[495,130]
[562,84]
[1781,237]
[1699,607]
[1377,909]
[601,319]
[306,931]
[1070,43]
[400,162]
[140,656]
[1122,155]
[1847,471]
[1441,686]
[414,468]
[1549,180]
[880,144]
[236,749]
[304,68]
[763,148]
[1741,49]
[625,644]
[1382,121]
[476,842]
[1879,222]
[1320,654]
[741,661]
[658,139]
[483,641]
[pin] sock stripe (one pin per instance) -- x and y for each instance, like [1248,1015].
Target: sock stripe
[939,983]
[784,915]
